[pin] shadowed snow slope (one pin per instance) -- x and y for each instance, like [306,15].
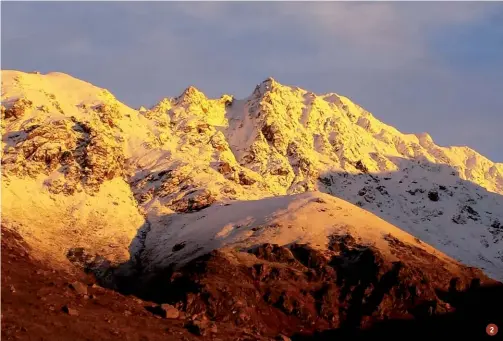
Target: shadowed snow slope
[82,170]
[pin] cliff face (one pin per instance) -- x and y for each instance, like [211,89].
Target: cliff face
[81,169]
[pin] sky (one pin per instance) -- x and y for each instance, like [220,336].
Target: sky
[433,67]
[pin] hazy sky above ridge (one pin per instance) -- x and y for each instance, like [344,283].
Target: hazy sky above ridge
[431,66]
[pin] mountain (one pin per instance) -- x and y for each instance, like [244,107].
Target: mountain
[73,155]
[285,204]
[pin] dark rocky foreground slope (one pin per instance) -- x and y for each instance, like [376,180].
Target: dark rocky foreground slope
[40,302]
[351,291]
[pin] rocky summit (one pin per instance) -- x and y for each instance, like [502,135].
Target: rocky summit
[286,214]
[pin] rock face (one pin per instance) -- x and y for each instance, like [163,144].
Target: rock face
[298,289]
[98,175]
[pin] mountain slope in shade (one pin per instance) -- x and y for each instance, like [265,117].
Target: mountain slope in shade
[81,169]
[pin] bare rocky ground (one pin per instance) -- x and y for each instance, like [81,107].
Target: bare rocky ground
[268,293]
[40,303]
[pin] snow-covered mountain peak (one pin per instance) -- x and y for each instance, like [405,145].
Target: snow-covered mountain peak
[191,95]
[270,82]
[69,146]
[267,85]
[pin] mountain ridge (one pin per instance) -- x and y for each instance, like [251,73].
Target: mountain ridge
[69,144]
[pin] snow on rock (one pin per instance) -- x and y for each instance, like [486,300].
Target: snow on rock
[71,144]
[309,218]
[64,184]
